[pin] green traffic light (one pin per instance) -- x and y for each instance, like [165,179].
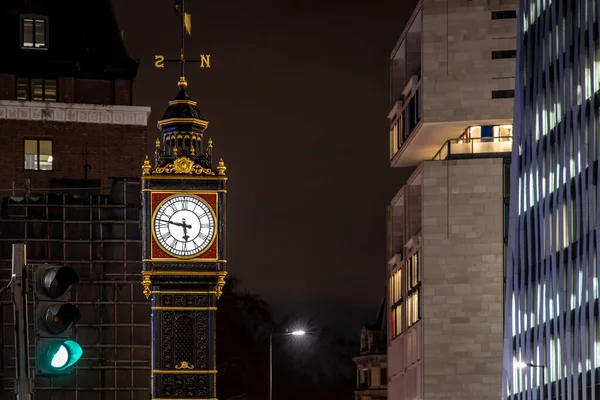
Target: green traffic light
[62,355]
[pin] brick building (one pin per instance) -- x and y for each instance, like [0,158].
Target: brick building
[66,96]
[73,146]
[452,88]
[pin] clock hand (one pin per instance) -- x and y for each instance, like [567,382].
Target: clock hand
[185,228]
[171,222]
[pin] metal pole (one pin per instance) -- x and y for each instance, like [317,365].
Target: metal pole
[19,292]
[271,367]
[182,61]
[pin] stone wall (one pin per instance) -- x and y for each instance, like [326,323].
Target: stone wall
[458,72]
[462,292]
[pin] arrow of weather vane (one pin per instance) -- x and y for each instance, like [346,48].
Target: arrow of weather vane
[186,26]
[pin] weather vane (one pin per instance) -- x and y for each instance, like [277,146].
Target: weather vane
[186,27]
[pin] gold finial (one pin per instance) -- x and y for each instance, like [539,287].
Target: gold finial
[209,143]
[221,167]
[146,167]
[182,83]
[174,151]
[147,283]
[220,284]
[193,151]
[157,142]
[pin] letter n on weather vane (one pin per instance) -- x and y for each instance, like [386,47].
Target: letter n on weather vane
[204,61]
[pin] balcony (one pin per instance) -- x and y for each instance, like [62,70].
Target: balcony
[475,148]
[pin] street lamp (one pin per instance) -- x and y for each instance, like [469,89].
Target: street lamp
[521,365]
[293,333]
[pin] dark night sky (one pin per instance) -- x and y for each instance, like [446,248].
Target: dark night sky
[297,99]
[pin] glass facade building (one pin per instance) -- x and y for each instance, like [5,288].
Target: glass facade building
[552,327]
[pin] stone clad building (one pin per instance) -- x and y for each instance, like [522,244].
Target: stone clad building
[452,88]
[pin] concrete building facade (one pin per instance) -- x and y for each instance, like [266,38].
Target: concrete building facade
[452,85]
[552,327]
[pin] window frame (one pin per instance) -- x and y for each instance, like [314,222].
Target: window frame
[34,17]
[508,54]
[396,303]
[413,288]
[38,140]
[30,88]
[503,94]
[504,14]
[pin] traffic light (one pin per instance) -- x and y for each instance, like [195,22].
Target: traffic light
[56,351]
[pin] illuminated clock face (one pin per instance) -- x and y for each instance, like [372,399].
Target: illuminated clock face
[184,225]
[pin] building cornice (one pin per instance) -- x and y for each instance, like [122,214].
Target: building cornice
[74,112]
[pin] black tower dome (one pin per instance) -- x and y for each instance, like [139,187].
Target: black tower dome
[181,149]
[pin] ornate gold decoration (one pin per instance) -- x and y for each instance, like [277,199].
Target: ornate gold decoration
[146,167]
[193,151]
[209,143]
[183,165]
[161,308]
[190,102]
[185,365]
[220,284]
[146,283]
[182,82]
[174,150]
[185,120]
[185,372]
[157,142]
[221,167]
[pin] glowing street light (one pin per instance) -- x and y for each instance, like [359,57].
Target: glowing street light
[298,332]
[520,364]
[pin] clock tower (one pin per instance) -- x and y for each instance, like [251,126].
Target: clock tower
[183,203]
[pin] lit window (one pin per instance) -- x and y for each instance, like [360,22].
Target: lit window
[36,89]
[413,306]
[34,32]
[396,301]
[38,155]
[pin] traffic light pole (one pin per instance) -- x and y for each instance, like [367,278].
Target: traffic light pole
[19,294]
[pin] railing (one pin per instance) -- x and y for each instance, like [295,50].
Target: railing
[463,147]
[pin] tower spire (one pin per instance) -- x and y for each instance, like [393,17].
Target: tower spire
[182,56]
[186,25]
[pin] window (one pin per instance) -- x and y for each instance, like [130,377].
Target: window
[413,286]
[396,302]
[36,89]
[365,379]
[383,377]
[38,154]
[508,14]
[503,94]
[498,54]
[34,31]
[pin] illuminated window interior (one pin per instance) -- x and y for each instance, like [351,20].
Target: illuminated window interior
[36,89]
[38,155]
[413,286]
[34,31]
[396,302]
